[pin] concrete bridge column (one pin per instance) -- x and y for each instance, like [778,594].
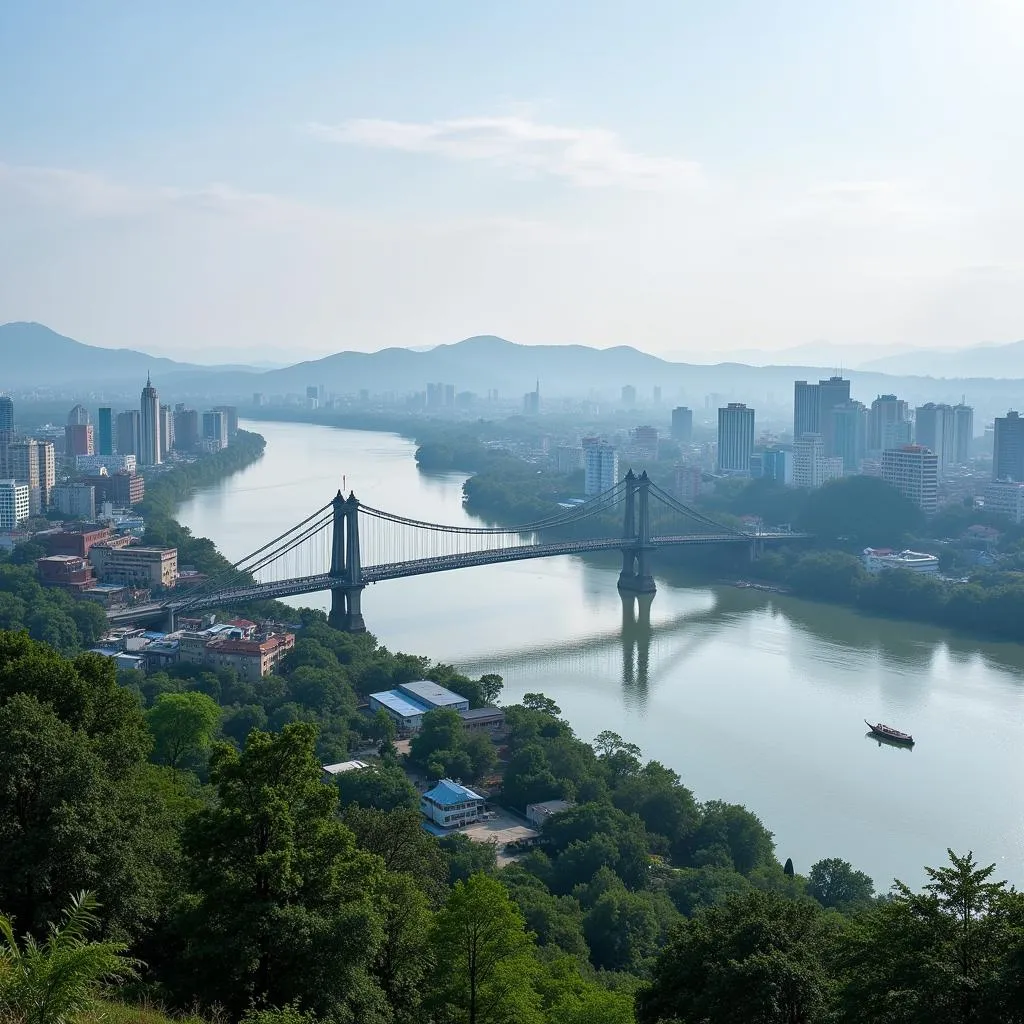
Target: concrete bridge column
[641,582]
[628,573]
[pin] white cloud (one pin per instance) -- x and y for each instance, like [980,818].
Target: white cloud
[586,157]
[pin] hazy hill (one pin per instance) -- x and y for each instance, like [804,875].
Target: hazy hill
[1003,361]
[33,355]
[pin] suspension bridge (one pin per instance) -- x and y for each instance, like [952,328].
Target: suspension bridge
[347,545]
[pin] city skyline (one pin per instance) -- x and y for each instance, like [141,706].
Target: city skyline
[695,181]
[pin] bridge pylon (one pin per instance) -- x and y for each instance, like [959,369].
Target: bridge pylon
[635,576]
[346,595]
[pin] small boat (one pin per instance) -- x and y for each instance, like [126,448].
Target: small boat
[887,732]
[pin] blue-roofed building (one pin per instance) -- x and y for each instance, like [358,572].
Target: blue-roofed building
[450,804]
[409,702]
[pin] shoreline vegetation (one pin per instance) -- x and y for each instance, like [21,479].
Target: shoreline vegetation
[192,806]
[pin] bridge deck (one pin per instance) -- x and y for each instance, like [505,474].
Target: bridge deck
[275,590]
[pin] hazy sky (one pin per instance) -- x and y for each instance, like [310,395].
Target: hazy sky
[268,180]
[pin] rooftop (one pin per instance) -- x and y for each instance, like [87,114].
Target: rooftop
[344,766]
[432,693]
[400,703]
[448,792]
[475,714]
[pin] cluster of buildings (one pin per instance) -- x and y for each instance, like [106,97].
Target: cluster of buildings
[105,563]
[252,650]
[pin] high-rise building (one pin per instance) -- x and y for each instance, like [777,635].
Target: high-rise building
[805,409]
[735,438]
[166,431]
[601,468]
[688,483]
[1008,448]
[933,429]
[886,423]
[215,429]
[963,433]
[1006,498]
[312,393]
[149,426]
[914,471]
[435,396]
[656,395]
[78,439]
[682,424]
[186,429]
[6,419]
[449,396]
[129,433]
[645,441]
[832,392]
[628,396]
[23,465]
[47,458]
[849,434]
[531,401]
[79,416]
[105,423]
[14,504]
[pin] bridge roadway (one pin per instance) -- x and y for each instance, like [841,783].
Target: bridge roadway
[276,590]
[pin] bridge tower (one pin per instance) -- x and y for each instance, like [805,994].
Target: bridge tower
[346,596]
[636,577]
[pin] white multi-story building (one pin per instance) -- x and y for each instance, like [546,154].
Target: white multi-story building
[601,468]
[809,462]
[111,463]
[914,471]
[878,559]
[735,438]
[76,500]
[1006,498]
[14,504]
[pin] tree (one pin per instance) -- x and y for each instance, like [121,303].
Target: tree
[385,787]
[76,811]
[491,686]
[528,778]
[755,958]
[834,883]
[541,704]
[284,908]
[466,858]
[484,955]
[183,726]
[738,832]
[53,981]
[951,952]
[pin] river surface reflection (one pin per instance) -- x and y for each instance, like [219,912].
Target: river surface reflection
[753,698]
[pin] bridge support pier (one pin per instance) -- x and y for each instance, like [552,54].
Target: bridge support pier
[346,611]
[636,577]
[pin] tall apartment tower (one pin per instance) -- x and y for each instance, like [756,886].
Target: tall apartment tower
[149,426]
[166,431]
[186,428]
[914,471]
[735,438]
[6,419]
[849,434]
[23,465]
[805,409]
[682,424]
[601,468]
[963,433]
[1008,448]
[129,433]
[831,393]
[934,428]
[47,458]
[888,423]
[105,429]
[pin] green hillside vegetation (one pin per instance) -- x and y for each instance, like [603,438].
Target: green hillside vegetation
[246,887]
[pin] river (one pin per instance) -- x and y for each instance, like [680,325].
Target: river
[753,698]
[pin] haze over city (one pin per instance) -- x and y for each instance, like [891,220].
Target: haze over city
[239,183]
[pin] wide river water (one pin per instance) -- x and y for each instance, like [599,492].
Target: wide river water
[752,698]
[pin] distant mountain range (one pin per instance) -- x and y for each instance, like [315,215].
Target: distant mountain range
[32,355]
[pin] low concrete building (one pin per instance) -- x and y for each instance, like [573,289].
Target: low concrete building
[489,720]
[409,702]
[135,565]
[450,804]
[69,572]
[251,659]
[539,813]
[333,770]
